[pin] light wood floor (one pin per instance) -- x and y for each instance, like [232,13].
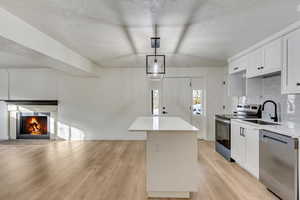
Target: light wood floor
[108,170]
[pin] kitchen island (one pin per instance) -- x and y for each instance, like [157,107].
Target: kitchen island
[171,156]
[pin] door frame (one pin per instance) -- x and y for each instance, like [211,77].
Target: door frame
[191,97]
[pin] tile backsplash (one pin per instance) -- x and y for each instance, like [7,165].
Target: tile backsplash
[288,105]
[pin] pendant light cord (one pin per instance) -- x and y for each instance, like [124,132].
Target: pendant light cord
[155,35]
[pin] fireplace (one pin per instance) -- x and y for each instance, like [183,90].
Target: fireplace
[33,125]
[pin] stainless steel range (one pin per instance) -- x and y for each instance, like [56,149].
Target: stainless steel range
[223,126]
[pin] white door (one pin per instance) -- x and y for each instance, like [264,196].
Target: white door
[185,98]
[199,106]
[176,98]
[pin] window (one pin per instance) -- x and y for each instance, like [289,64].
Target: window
[197,102]
[155,102]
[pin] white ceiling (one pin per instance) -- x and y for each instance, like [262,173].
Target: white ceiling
[115,33]
[13,55]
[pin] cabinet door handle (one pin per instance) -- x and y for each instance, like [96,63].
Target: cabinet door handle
[242,132]
[298,84]
[260,67]
[236,68]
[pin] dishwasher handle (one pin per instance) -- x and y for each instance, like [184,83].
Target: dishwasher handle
[275,139]
[293,142]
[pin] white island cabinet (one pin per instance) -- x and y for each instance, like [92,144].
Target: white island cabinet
[171,156]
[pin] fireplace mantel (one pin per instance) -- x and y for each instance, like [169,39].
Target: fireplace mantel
[32,102]
[15,107]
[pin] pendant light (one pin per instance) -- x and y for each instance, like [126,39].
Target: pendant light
[155,64]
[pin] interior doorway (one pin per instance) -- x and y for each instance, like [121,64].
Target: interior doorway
[185,97]
[198,87]
[176,97]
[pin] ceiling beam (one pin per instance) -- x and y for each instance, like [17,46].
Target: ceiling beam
[188,24]
[129,39]
[25,35]
[125,28]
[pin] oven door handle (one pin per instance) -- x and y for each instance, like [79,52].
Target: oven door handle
[222,120]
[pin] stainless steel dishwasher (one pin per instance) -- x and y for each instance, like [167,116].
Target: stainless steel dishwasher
[278,164]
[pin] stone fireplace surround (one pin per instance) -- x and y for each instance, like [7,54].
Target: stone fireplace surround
[14,107]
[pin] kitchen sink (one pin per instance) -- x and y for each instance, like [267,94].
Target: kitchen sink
[260,122]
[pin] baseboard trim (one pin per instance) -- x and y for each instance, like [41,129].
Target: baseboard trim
[153,194]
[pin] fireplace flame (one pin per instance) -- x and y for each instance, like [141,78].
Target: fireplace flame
[34,126]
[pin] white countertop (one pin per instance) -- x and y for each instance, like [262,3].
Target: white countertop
[287,128]
[161,124]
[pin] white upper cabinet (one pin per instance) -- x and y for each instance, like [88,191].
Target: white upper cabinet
[238,65]
[265,60]
[256,63]
[273,56]
[277,53]
[291,69]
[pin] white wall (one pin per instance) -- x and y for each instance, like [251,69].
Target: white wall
[3,84]
[3,121]
[3,108]
[227,91]
[37,84]
[104,107]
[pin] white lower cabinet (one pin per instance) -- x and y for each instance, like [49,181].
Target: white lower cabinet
[235,140]
[252,151]
[238,143]
[245,147]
